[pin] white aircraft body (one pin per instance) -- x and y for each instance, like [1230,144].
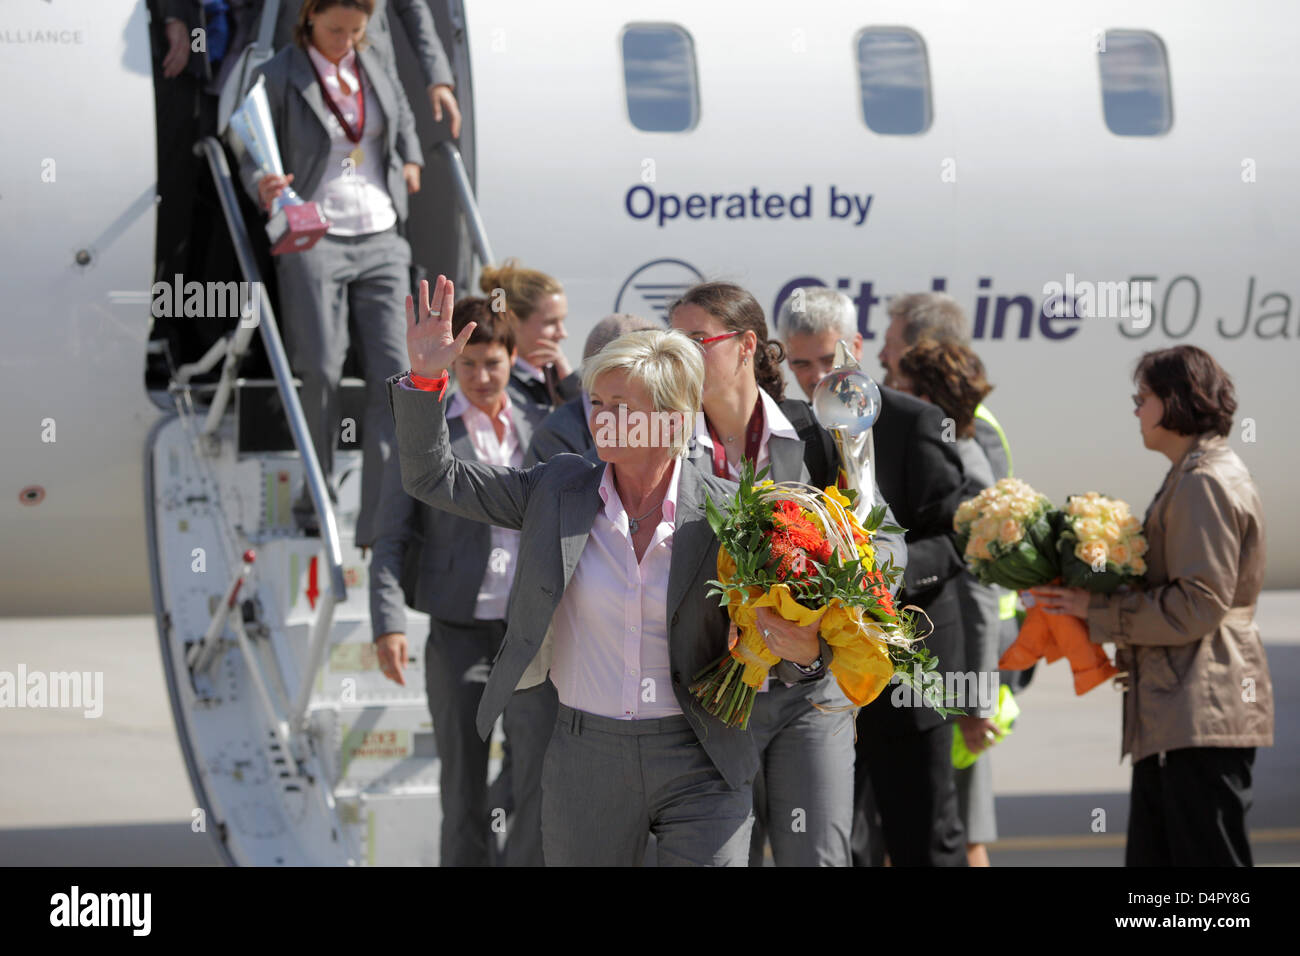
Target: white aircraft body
[628,178]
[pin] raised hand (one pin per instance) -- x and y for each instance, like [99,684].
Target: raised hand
[429,339]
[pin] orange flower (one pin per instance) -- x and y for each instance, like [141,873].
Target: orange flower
[874,583]
[794,539]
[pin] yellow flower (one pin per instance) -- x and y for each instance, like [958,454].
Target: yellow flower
[1138,545]
[834,494]
[1110,532]
[1120,554]
[1010,532]
[1138,565]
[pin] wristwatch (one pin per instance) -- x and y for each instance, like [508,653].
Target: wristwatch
[811,668]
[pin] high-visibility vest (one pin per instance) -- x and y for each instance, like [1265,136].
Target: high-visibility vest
[983,414]
[1007,599]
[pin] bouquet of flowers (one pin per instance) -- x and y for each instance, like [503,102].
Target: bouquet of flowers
[1008,535]
[1101,545]
[1014,537]
[802,552]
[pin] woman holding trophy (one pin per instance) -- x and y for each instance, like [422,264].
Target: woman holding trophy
[803,729]
[347,139]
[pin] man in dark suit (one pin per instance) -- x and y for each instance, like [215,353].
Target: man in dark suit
[904,766]
[907,748]
[613,603]
[465,572]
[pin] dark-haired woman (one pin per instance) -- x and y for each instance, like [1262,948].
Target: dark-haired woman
[347,139]
[803,794]
[1198,698]
[952,376]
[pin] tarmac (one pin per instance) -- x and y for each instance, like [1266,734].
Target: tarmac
[112,790]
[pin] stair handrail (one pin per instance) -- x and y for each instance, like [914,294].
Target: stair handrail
[468,204]
[270,331]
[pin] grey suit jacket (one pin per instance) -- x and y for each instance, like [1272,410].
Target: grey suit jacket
[554,504]
[987,437]
[564,430]
[415,17]
[301,120]
[453,554]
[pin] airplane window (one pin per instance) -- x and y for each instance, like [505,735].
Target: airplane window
[895,78]
[1135,94]
[659,74]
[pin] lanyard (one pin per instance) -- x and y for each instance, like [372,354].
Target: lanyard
[338,113]
[753,441]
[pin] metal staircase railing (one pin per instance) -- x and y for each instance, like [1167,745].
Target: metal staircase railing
[236,347]
[468,205]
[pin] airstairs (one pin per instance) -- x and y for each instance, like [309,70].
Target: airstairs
[299,750]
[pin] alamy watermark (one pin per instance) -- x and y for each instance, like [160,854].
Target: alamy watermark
[55,690]
[75,908]
[967,690]
[1098,300]
[208,300]
[635,429]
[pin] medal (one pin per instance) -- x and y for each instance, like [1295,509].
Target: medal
[354,135]
[753,441]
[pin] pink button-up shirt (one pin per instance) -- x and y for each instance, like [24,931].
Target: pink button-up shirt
[494,592]
[610,629]
[353,196]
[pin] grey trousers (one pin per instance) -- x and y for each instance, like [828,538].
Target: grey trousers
[608,784]
[529,722]
[457,660]
[975,798]
[348,288]
[803,792]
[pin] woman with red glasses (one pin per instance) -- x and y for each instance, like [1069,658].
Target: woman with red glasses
[803,793]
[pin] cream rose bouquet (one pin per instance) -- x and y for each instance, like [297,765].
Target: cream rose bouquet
[1015,537]
[1007,534]
[1101,545]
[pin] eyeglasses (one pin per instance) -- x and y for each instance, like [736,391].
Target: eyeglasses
[715,338]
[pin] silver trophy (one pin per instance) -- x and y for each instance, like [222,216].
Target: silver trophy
[847,403]
[295,224]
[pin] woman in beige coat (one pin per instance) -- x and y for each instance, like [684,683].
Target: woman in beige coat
[1198,699]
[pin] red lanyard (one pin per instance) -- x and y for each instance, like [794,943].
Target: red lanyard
[753,441]
[338,113]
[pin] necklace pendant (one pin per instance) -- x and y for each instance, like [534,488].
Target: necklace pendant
[632,524]
[730,439]
[357,155]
